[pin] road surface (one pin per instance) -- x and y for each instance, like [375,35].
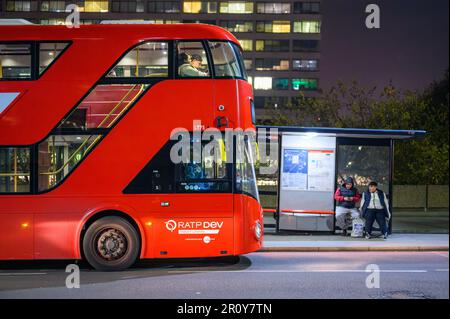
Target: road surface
[318,275]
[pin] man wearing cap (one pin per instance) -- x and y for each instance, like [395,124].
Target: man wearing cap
[375,206]
[192,69]
[347,195]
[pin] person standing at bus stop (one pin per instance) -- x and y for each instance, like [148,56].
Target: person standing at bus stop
[375,206]
[347,195]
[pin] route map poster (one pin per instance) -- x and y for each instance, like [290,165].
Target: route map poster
[310,170]
[295,169]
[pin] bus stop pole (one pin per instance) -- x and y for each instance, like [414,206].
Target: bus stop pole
[391,180]
[278,212]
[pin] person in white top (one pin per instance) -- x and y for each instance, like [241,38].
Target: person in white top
[375,206]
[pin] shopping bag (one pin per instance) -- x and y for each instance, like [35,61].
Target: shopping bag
[357,227]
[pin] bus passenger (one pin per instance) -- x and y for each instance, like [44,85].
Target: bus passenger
[183,58]
[375,206]
[346,196]
[192,69]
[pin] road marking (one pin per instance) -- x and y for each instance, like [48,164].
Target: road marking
[23,274]
[300,271]
[441,270]
[445,255]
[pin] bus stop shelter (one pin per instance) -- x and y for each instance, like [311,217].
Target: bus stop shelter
[312,162]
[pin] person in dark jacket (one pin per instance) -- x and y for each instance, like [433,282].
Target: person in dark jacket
[375,206]
[347,195]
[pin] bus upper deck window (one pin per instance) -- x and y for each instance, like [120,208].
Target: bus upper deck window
[15,61]
[149,59]
[192,60]
[226,63]
[48,52]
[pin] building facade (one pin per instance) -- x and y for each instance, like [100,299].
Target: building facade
[280,38]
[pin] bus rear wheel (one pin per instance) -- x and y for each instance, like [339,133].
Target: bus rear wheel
[111,243]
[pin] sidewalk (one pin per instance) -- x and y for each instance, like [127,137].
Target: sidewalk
[396,242]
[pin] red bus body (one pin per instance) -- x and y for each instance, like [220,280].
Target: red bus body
[50,225]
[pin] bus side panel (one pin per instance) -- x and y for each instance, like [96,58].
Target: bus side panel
[139,136]
[248,213]
[56,235]
[193,225]
[58,90]
[245,96]
[16,231]
[184,237]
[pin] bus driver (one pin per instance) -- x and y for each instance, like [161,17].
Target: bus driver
[192,69]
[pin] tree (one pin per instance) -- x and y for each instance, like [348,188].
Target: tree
[422,161]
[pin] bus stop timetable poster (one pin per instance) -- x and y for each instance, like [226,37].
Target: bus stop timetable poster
[307,170]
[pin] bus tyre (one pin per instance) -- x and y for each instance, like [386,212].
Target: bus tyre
[111,243]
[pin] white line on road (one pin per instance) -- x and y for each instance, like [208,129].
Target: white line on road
[298,271]
[445,255]
[23,274]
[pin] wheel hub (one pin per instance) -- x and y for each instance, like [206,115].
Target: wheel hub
[111,244]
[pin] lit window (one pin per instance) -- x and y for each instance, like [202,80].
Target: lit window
[199,7]
[307,26]
[304,84]
[15,61]
[103,106]
[14,169]
[248,64]
[48,52]
[273,26]
[247,45]
[96,6]
[147,60]
[192,60]
[262,83]
[273,8]
[281,27]
[163,7]
[272,45]
[237,7]
[237,26]
[226,63]
[53,22]
[271,64]
[305,65]
[21,6]
[53,6]
[59,154]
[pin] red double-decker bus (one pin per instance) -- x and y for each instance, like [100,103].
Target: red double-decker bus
[86,116]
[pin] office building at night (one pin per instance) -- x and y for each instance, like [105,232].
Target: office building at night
[281,39]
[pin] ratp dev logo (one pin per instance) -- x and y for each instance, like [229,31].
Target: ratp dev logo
[171,225]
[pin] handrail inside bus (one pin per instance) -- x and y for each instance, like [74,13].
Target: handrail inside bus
[109,114]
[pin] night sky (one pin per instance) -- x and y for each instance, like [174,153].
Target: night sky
[411,47]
